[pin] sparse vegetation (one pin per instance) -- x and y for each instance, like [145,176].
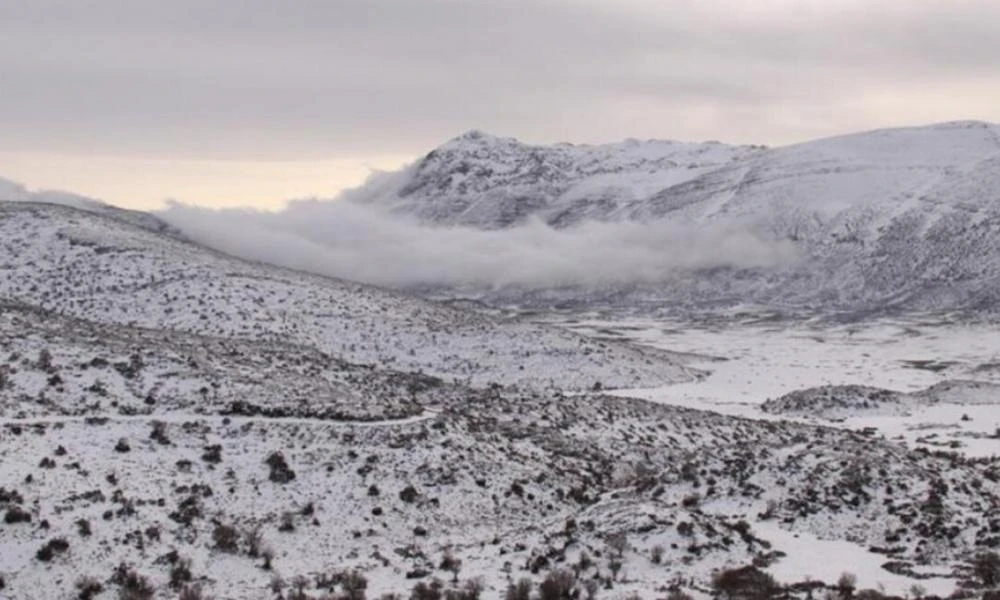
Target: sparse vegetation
[226,538]
[88,587]
[557,585]
[133,586]
[280,471]
[986,568]
[52,548]
[744,583]
[521,590]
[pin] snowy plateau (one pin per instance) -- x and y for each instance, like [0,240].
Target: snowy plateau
[180,419]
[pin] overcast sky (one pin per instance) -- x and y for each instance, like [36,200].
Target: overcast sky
[255,101]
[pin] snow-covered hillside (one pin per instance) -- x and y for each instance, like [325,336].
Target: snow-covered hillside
[631,495]
[92,267]
[491,182]
[11,191]
[899,218]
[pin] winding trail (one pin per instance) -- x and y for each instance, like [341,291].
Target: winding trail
[426,415]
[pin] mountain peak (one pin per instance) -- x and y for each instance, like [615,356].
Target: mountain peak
[478,136]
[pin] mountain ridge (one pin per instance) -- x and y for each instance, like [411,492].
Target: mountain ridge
[901,217]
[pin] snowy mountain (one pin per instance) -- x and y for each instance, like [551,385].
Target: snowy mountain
[490,182]
[888,219]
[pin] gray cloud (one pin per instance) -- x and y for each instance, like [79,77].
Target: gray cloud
[362,243]
[262,79]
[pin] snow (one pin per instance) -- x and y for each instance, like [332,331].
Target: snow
[810,558]
[93,267]
[761,362]
[750,363]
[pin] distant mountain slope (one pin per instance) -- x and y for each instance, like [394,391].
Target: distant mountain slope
[97,268]
[490,182]
[899,218]
[15,192]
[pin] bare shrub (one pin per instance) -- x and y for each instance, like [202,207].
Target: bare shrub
[87,587]
[557,585]
[226,538]
[519,591]
[744,583]
[432,590]
[254,539]
[133,586]
[986,568]
[193,592]
[52,548]
[354,585]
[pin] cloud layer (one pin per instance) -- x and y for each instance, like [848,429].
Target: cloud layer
[360,242]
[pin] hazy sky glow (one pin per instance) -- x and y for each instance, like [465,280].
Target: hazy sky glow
[255,101]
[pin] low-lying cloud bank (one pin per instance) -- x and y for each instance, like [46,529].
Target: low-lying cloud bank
[363,242]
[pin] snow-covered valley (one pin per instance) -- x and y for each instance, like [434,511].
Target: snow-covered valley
[751,363]
[179,422]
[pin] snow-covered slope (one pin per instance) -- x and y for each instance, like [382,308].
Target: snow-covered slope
[899,218]
[491,182]
[512,484]
[843,401]
[11,191]
[93,267]
[171,413]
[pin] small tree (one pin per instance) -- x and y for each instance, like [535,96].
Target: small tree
[354,585]
[299,584]
[744,583]
[557,585]
[193,592]
[254,540]
[159,433]
[617,544]
[280,471]
[986,567]
[470,590]
[226,538]
[519,591]
[180,573]
[452,564]
[428,591]
[52,548]
[134,586]
[847,584]
[88,587]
